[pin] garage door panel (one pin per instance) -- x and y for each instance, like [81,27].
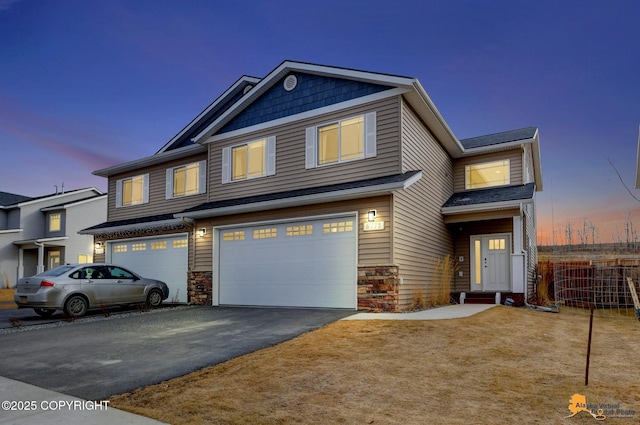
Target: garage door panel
[162,258]
[289,264]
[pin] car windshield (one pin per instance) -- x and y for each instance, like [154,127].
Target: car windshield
[57,271]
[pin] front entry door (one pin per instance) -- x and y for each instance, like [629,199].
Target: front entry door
[490,262]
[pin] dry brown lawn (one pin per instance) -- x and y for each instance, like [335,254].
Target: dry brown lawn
[6,296]
[502,366]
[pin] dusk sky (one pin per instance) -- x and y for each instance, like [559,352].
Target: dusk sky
[87,84]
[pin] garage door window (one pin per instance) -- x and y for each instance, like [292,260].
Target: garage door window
[139,247]
[300,230]
[338,227]
[120,248]
[158,245]
[179,243]
[271,232]
[233,236]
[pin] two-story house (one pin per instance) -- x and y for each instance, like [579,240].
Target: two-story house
[319,186]
[37,234]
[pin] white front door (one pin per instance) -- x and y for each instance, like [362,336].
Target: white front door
[490,268]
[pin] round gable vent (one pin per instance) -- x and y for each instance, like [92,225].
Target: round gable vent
[290,82]
[247,89]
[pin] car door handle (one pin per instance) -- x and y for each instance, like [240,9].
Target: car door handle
[118,281]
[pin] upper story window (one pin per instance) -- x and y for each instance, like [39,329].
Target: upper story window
[132,191]
[488,174]
[55,222]
[249,160]
[186,180]
[341,141]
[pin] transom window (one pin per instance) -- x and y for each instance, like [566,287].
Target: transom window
[132,191]
[341,141]
[55,221]
[186,180]
[488,174]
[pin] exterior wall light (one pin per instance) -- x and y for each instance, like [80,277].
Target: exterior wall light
[202,232]
[98,245]
[371,215]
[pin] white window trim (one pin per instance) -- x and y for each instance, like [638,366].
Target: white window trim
[311,140]
[202,180]
[476,164]
[145,190]
[270,159]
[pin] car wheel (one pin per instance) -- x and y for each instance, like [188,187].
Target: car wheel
[154,298]
[76,306]
[44,312]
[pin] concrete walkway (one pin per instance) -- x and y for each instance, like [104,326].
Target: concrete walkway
[447,312]
[25,404]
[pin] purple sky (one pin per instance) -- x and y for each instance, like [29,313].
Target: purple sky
[86,84]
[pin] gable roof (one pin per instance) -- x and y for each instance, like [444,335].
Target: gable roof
[213,111]
[7,199]
[499,138]
[221,119]
[486,199]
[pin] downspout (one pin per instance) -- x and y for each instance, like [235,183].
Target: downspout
[526,302]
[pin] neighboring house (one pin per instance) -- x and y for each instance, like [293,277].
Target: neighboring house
[37,234]
[318,186]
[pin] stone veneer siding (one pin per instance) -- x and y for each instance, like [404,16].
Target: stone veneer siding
[200,288]
[378,288]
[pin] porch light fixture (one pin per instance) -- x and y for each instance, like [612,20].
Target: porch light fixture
[98,245]
[371,215]
[202,232]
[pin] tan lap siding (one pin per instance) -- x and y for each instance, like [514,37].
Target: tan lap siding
[373,246]
[291,173]
[515,163]
[420,235]
[157,204]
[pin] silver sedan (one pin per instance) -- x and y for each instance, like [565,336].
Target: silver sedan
[75,288]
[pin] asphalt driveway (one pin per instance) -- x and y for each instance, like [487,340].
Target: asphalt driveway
[102,356]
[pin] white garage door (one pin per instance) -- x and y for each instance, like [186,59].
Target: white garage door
[309,263]
[163,258]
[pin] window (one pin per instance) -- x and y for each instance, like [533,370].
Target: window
[120,248]
[138,246]
[132,191]
[300,230]
[233,236]
[158,245]
[55,222]
[249,160]
[84,259]
[338,227]
[341,141]
[488,174]
[186,180]
[179,243]
[267,233]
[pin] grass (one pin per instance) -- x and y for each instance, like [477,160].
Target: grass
[502,366]
[6,296]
